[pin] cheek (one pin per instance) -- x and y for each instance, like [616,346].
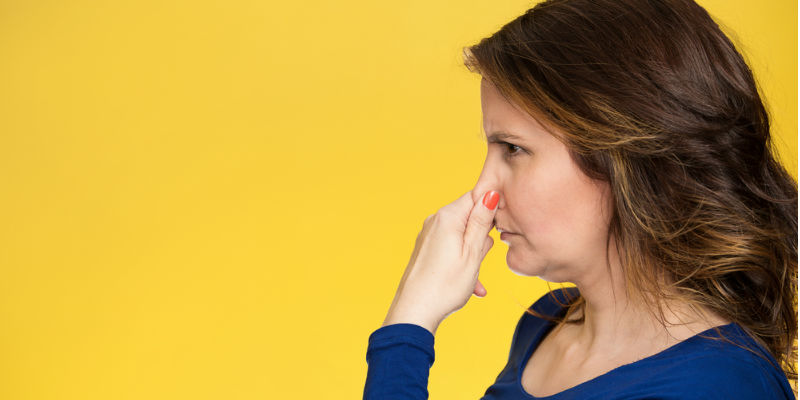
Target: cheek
[560,208]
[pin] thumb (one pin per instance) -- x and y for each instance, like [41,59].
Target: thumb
[481,221]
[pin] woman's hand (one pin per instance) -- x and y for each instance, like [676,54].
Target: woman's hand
[443,271]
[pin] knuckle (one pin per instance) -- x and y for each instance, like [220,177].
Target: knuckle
[444,213]
[429,219]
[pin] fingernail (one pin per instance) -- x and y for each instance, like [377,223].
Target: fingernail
[490,199]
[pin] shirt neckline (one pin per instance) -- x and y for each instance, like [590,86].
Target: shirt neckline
[549,327]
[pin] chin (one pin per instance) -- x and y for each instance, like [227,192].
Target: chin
[514,267]
[542,272]
[520,273]
[551,280]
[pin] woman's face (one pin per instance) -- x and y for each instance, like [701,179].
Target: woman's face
[558,217]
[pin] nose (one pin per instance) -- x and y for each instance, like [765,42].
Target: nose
[489,180]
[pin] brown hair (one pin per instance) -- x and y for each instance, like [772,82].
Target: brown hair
[653,98]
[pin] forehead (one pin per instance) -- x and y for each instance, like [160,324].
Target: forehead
[488,89]
[501,115]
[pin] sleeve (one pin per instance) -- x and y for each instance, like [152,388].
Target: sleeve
[399,357]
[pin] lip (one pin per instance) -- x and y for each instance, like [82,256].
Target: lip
[504,235]
[501,230]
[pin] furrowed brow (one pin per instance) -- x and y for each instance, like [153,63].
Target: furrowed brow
[500,136]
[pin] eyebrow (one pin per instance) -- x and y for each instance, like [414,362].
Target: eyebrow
[499,136]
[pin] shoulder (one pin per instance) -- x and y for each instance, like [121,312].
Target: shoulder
[710,369]
[731,377]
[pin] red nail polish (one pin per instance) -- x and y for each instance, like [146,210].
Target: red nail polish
[490,199]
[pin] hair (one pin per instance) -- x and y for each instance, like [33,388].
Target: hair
[654,99]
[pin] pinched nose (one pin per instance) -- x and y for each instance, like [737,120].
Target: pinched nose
[478,194]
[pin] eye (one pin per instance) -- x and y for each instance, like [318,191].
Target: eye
[510,150]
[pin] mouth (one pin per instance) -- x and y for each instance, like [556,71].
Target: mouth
[504,236]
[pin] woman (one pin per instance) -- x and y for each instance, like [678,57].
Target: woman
[629,153]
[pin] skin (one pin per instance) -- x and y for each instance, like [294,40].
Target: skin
[443,271]
[559,219]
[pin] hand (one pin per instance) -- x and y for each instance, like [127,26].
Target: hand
[443,271]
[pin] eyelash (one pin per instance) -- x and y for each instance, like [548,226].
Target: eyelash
[506,147]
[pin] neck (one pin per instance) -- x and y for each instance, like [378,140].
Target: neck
[615,323]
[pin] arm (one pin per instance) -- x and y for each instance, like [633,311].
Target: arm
[400,357]
[439,279]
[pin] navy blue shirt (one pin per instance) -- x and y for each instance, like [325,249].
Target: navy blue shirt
[400,356]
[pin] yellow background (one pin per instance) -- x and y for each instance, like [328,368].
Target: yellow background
[217,199]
